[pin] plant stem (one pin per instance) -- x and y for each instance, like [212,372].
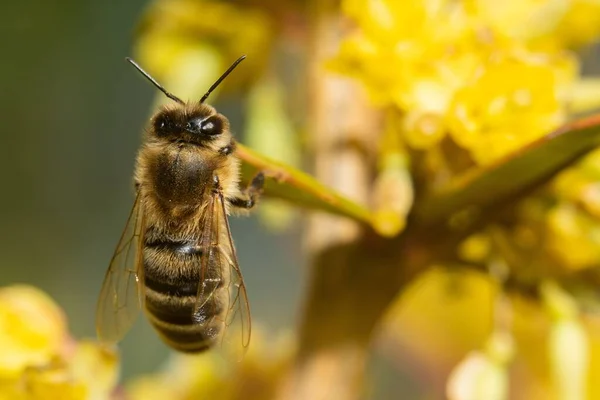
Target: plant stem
[334,335]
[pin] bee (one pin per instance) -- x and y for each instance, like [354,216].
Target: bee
[176,258]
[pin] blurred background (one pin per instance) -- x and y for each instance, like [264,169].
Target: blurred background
[73,111]
[393,104]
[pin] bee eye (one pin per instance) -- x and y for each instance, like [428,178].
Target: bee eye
[163,125]
[210,126]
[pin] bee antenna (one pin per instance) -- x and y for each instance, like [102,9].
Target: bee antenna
[218,82]
[151,79]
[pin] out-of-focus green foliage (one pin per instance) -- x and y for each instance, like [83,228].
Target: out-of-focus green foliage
[269,131]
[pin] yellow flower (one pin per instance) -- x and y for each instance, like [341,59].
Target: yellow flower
[552,24]
[32,329]
[462,68]
[525,20]
[396,52]
[39,361]
[220,375]
[48,383]
[186,44]
[581,184]
[96,367]
[580,25]
[475,248]
[509,104]
[403,23]
[574,237]
[568,212]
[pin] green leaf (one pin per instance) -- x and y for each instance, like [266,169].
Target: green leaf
[487,189]
[298,187]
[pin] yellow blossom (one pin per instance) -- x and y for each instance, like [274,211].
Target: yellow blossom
[185,44]
[574,237]
[32,329]
[509,104]
[52,382]
[96,366]
[549,24]
[526,20]
[451,67]
[396,52]
[39,361]
[580,184]
[475,248]
[580,25]
[216,375]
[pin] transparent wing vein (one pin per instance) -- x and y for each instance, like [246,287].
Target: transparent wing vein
[220,264]
[121,296]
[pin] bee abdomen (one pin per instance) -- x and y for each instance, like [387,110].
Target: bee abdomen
[172,280]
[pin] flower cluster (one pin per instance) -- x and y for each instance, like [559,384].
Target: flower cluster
[38,358]
[185,44]
[464,70]
[464,85]
[213,375]
[468,83]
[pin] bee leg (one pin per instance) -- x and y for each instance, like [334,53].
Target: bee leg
[248,198]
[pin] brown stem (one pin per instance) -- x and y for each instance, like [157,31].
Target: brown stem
[335,331]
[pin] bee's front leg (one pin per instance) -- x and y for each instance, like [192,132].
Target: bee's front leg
[249,196]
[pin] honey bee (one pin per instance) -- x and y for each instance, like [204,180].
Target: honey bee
[176,258]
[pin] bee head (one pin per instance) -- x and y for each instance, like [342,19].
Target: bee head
[195,124]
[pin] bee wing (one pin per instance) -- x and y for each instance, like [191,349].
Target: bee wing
[218,249]
[121,295]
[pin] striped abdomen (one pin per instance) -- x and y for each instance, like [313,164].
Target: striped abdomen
[172,278]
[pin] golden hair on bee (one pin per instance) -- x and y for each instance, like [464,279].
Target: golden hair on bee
[176,258]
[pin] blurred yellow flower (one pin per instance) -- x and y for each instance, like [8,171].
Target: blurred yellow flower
[525,20]
[48,383]
[96,367]
[39,360]
[543,24]
[580,25]
[187,44]
[581,184]
[574,237]
[216,375]
[453,68]
[32,329]
[403,49]
[507,105]
[475,248]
